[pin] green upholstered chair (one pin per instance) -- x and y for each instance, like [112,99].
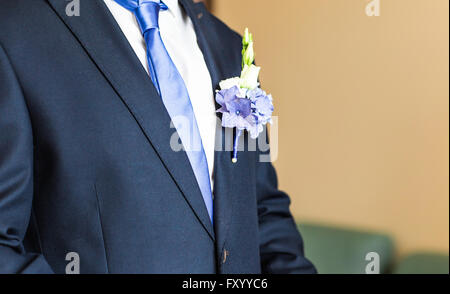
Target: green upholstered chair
[336,250]
[423,263]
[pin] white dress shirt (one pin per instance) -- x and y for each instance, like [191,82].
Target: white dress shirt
[178,34]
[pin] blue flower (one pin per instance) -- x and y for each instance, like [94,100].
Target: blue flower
[255,127]
[262,105]
[240,107]
[237,111]
[250,113]
[226,96]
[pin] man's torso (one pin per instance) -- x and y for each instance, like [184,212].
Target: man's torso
[106,183]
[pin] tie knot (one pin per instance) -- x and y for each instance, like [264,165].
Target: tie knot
[146,11]
[147,15]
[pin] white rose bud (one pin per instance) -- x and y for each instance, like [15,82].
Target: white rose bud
[249,55]
[250,76]
[246,40]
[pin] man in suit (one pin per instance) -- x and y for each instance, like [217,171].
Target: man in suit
[86,163]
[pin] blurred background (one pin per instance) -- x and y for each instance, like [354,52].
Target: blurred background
[363,106]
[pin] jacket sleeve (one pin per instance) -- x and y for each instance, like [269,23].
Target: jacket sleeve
[16,176]
[281,246]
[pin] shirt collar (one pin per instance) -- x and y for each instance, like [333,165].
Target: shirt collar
[173,6]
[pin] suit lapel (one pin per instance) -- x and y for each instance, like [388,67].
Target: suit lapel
[104,42]
[229,178]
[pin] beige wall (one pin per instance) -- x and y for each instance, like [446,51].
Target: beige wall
[363,109]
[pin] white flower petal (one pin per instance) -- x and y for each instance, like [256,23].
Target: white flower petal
[230,83]
[249,77]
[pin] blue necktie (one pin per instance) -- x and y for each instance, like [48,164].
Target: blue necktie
[172,89]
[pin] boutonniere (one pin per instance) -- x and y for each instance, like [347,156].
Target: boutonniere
[244,105]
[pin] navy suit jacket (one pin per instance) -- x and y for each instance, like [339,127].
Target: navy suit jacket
[86,164]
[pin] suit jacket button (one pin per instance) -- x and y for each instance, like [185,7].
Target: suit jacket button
[226,253]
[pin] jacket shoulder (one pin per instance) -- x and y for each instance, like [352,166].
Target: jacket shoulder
[17,10]
[226,42]
[20,15]
[225,29]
